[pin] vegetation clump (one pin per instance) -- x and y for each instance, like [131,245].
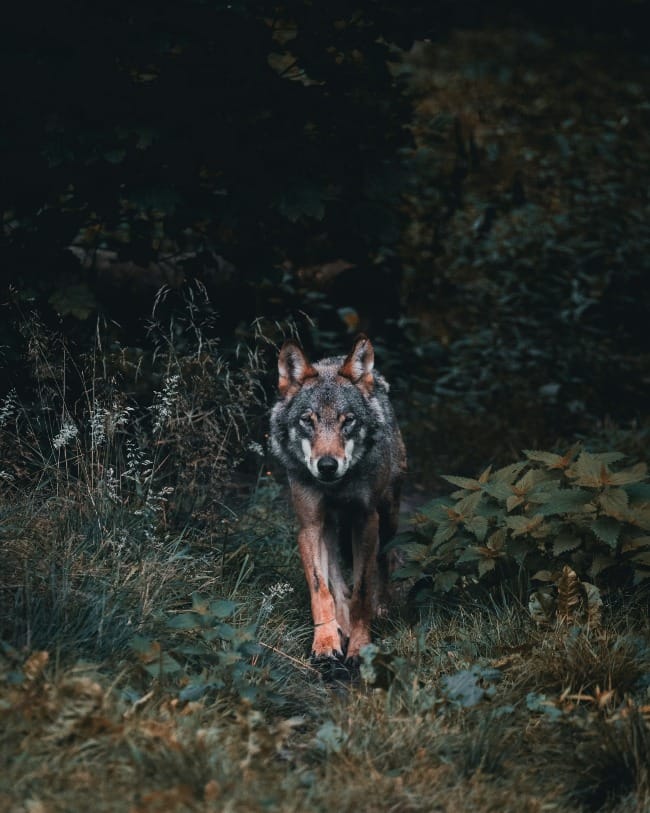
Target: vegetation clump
[578,511]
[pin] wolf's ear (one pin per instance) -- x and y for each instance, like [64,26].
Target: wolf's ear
[293,368]
[359,364]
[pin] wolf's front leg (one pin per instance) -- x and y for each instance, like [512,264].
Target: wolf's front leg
[327,643]
[312,542]
[365,573]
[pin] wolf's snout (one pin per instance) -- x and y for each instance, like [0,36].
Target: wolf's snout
[327,467]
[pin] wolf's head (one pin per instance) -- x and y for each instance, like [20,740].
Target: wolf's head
[326,412]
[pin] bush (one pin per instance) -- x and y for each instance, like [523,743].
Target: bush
[537,515]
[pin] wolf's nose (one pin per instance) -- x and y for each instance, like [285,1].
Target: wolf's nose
[327,466]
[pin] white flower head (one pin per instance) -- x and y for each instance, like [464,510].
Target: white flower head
[67,433]
[8,407]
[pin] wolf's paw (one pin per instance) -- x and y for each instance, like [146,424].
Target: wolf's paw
[359,637]
[328,642]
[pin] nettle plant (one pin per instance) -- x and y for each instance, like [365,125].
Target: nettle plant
[542,514]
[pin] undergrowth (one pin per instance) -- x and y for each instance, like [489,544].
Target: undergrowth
[155,626]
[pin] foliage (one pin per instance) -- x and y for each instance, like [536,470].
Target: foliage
[580,509]
[526,255]
[208,653]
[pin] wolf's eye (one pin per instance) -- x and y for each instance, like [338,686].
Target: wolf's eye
[305,420]
[349,421]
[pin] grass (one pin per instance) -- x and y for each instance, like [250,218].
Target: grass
[155,631]
[73,729]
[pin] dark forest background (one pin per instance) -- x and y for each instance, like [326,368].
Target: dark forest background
[466,183]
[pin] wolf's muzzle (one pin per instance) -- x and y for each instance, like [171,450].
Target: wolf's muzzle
[328,468]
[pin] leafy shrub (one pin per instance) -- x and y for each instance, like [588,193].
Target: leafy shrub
[537,514]
[208,652]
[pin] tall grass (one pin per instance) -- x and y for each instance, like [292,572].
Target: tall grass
[113,464]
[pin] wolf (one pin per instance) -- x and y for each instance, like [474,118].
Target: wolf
[334,430]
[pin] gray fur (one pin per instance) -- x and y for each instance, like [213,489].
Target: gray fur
[334,430]
[382,442]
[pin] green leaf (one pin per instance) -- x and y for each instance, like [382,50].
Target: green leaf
[589,471]
[165,664]
[468,505]
[229,657]
[519,548]
[613,502]
[638,492]
[302,201]
[639,515]
[486,565]
[499,490]
[609,457]
[330,737]
[470,554]
[531,479]
[513,501]
[523,525]
[199,603]
[193,692]
[184,621]
[437,510]
[539,703]
[415,551]
[463,482]
[463,688]
[410,571]
[210,634]
[226,631]
[543,576]
[497,539]
[145,138]
[564,501]
[508,474]
[222,608]
[564,543]
[478,526]
[144,646]
[444,531]
[549,459]
[74,300]
[607,529]
[443,582]
[485,475]
[635,474]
